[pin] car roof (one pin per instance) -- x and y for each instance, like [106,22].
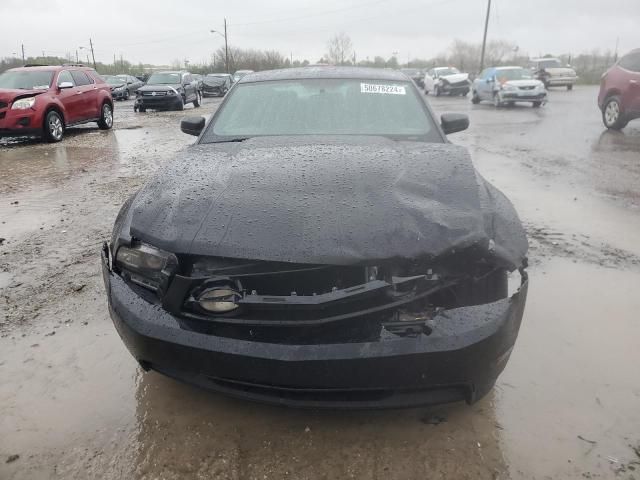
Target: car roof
[508,68]
[329,72]
[443,68]
[542,59]
[48,68]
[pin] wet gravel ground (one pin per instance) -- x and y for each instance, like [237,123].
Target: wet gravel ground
[74,404]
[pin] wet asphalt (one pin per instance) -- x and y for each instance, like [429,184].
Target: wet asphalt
[74,404]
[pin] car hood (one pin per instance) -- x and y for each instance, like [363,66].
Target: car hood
[325,201]
[113,85]
[9,94]
[523,83]
[213,82]
[455,77]
[159,88]
[560,71]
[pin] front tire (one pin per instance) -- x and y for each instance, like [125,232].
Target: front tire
[569,87]
[496,100]
[53,127]
[180,104]
[126,95]
[612,115]
[197,102]
[436,91]
[475,99]
[106,117]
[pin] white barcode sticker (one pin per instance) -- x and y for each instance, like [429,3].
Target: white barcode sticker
[384,89]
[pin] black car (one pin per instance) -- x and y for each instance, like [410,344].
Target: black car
[118,87]
[133,83]
[216,84]
[321,245]
[414,74]
[168,91]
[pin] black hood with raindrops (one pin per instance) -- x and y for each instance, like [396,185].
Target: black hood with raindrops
[325,200]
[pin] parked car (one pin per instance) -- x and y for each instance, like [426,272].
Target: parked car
[119,90]
[414,74]
[216,84]
[133,83]
[302,256]
[168,90]
[508,85]
[239,74]
[619,97]
[446,80]
[553,73]
[46,100]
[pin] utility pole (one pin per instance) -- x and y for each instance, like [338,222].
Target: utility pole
[484,38]
[92,54]
[226,45]
[23,62]
[77,60]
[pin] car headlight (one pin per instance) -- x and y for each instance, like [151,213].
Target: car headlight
[171,92]
[23,103]
[146,266]
[541,86]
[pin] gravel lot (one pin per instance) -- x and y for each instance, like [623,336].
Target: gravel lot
[74,404]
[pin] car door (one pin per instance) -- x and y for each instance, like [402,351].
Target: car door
[630,87]
[88,93]
[70,97]
[484,87]
[189,87]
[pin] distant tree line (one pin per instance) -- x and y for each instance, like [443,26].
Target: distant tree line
[340,51]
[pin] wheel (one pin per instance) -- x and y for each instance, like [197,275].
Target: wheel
[198,100]
[475,99]
[496,100]
[126,95]
[569,87]
[180,104]
[537,104]
[142,109]
[106,117]
[53,127]
[612,116]
[436,91]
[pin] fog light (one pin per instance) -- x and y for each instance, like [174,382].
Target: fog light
[219,300]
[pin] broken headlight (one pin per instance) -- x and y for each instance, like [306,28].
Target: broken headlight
[146,266]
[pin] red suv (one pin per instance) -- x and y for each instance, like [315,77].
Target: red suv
[44,100]
[619,98]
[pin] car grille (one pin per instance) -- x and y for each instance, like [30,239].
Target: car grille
[527,88]
[463,83]
[154,94]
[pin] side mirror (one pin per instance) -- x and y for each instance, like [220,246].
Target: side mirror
[489,80]
[193,125]
[454,122]
[64,85]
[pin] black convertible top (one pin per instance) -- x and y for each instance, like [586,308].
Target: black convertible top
[325,72]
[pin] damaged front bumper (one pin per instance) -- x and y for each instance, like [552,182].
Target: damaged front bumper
[457,355]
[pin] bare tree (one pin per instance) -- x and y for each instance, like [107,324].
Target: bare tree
[340,49]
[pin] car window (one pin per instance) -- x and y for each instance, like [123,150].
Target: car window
[80,78]
[324,107]
[65,76]
[631,61]
[486,73]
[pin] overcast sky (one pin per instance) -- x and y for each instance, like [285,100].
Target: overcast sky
[160,31]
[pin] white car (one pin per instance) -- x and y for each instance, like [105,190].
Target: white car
[553,73]
[508,85]
[446,80]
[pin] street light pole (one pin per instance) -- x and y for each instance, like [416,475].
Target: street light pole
[226,45]
[484,38]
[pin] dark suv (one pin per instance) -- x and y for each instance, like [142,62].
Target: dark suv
[168,91]
[45,100]
[619,98]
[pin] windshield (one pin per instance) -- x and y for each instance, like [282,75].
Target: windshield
[447,71]
[164,79]
[113,80]
[513,74]
[26,80]
[551,63]
[323,107]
